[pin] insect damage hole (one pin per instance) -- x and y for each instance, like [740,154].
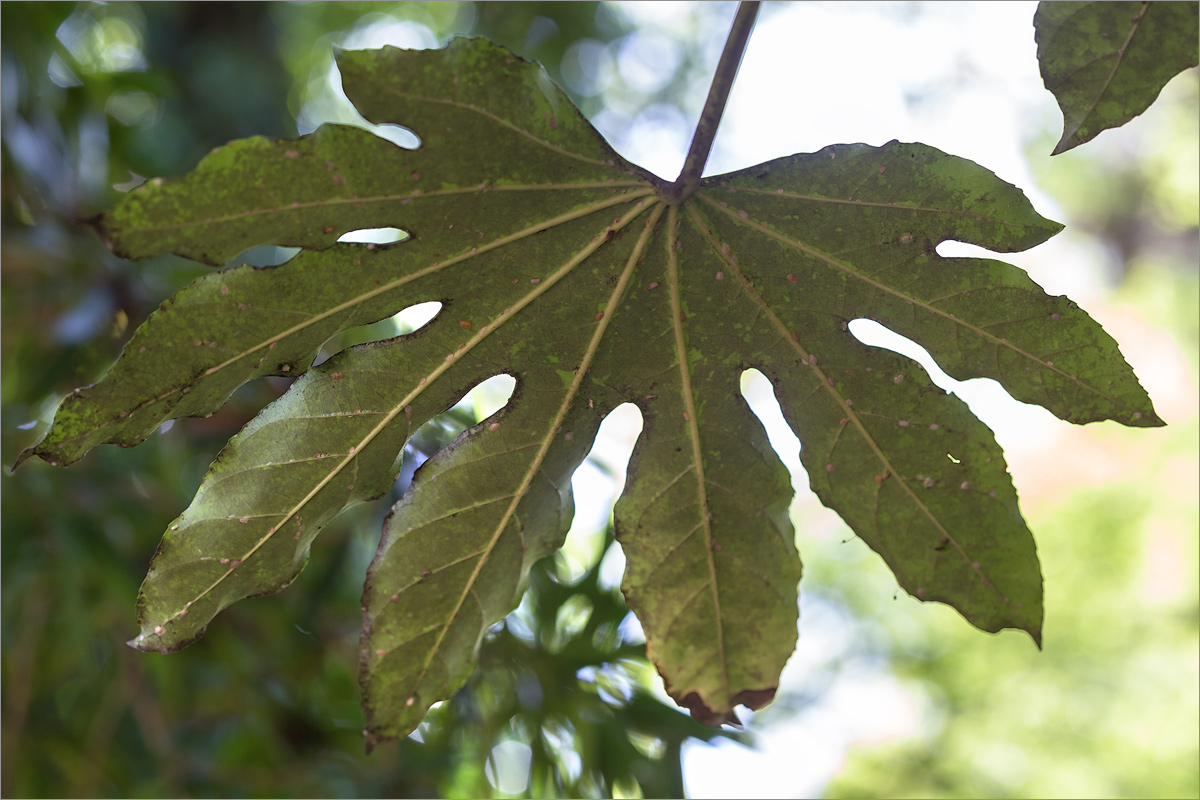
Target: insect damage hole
[478,405]
[595,485]
[265,256]
[760,396]
[403,322]
[955,249]
[372,236]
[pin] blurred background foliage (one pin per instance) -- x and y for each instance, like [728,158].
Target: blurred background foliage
[97,96]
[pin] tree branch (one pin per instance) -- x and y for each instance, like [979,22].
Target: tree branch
[706,129]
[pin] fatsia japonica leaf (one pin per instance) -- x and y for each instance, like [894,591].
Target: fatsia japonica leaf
[558,263]
[1106,62]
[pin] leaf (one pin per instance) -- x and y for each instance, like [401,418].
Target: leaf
[559,264]
[1106,62]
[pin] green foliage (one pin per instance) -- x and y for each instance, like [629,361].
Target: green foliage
[567,268]
[1107,62]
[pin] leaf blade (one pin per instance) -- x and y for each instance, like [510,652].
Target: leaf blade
[516,239]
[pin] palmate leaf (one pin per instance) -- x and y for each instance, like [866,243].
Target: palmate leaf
[558,263]
[1106,62]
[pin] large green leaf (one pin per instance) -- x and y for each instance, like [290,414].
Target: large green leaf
[558,263]
[1106,62]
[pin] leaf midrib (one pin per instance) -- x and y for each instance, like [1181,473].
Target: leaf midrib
[946,212]
[693,423]
[415,194]
[1119,59]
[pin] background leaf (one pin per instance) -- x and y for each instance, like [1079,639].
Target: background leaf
[1105,63]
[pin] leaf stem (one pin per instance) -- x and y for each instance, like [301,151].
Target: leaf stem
[706,129]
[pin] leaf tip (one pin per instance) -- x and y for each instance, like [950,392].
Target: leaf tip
[21,459]
[139,643]
[30,452]
[1063,146]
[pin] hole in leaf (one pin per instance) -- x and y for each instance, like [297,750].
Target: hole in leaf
[595,486]
[489,397]
[415,317]
[952,249]
[760,396]
[481,402]
[374,236]
[868,331]
[325,100]
[401,323]
[397,135]
[265,256]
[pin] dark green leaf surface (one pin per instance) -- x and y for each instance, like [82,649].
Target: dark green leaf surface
[561,265]
[1106,62]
